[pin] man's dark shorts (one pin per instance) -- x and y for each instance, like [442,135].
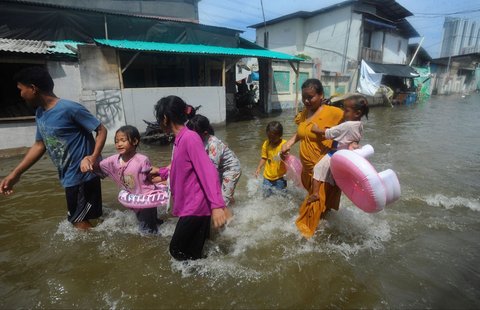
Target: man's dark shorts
[84,201]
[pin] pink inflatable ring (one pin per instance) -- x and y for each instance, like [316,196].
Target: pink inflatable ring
[153,199]
[294,169]
[361,183]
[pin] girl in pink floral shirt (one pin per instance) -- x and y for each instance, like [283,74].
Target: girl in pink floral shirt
[224,159]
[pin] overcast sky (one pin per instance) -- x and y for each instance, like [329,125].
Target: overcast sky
[241,14]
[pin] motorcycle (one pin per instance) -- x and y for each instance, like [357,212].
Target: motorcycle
[154,135]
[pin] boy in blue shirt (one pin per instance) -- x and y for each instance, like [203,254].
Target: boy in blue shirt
[64,129]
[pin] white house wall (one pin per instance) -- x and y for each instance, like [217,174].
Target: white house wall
[286,100]
[139,102]
[327,36]
[377,40]
[323,38]
[285,37]
[391,52]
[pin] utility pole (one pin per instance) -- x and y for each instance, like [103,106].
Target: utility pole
[264,69]
[265,33]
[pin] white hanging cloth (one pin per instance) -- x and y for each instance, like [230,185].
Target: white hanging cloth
[369,81]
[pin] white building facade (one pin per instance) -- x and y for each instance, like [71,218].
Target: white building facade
[460,36]
[334,40]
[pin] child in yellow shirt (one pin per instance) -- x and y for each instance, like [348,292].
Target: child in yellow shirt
[275,169]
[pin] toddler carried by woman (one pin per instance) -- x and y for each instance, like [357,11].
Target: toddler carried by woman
[346,135]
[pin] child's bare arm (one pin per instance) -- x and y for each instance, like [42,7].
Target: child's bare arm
[97,169]
[154,175]
[317,129]
[286,146]
[353,146]
[159,174]
[260,165]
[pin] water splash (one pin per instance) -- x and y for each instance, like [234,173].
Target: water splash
[113,222]
[110,302]
[262,235]
[56,290]
[448,203]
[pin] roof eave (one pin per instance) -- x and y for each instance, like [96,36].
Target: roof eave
[195,49]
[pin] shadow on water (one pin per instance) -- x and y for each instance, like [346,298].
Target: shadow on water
[421,252]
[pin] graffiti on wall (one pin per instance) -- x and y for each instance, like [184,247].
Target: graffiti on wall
[109,108]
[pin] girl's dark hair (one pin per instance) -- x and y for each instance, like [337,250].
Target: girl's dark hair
[315,84]
[200,124]
[190,111]
[275,127]
[360,103]
[132,134]
[37,76]
[172,107]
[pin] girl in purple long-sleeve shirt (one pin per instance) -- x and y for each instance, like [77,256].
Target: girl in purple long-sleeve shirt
[194,184]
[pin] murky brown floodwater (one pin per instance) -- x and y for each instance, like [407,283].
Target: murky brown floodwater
[421,252]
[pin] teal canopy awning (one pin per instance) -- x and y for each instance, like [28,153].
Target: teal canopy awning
[195,49]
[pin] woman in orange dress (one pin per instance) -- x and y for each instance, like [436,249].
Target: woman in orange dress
[312,148]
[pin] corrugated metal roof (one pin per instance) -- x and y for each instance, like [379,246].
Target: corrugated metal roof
[303,14]
[195,49]
[24,46]
[62,47]
[72,6]
[393,69]
[386,8]
[37,47]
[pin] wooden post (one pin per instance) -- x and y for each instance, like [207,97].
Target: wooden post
[416,51]
[296,88]
[223,73]
[264,82]
[105,25]
[297,73]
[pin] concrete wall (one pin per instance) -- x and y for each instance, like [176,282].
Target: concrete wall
[100,75]
[66,76]
[139,102]
[445,84]
[377,40]
[395,47]
[284,101]
[460,36]
[17,134]
[98,67]
[334,84]
[453,83]
[286,37]
[332,40]
[391,52]
[328,38]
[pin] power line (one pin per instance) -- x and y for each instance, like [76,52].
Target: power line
[245,8]
[448,14]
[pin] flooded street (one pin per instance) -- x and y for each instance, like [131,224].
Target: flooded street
[420,252]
